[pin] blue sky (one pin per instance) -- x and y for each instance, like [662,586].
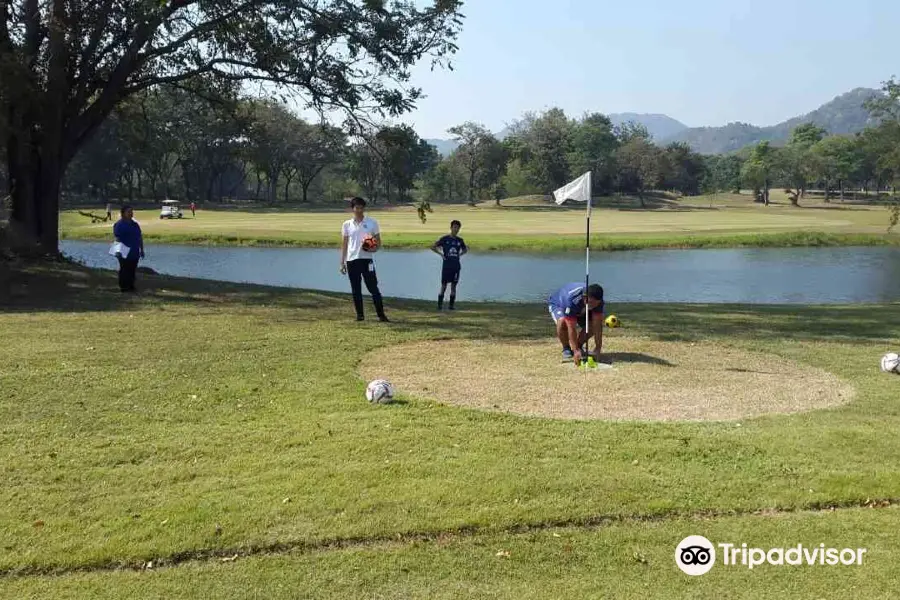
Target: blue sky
[703,62]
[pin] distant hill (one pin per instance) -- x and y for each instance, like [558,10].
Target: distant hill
[660,127]
[843,115]
[444,147]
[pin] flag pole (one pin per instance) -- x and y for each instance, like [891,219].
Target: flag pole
[587,268]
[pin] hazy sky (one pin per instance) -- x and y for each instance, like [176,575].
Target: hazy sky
[703,62]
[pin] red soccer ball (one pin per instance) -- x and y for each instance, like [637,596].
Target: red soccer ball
[370,244]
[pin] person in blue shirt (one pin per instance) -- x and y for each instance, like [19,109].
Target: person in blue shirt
[128,233]
[451,248]
[567,308]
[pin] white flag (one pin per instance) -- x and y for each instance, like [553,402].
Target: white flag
[578,190]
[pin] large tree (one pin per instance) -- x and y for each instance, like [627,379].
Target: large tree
[481,156]
[641,166]
[314,147]
[797,163]
[686,169]
[593,148]
[758,170]
[543,146]
[837,159]
[66,64]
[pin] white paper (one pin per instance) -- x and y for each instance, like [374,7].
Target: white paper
[119,247]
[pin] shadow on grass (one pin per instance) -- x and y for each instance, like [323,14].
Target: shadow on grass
[64,287]
[637,357]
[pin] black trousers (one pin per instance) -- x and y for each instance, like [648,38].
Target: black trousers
[359,270]
[127,273]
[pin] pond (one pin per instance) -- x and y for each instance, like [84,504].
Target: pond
[746,275]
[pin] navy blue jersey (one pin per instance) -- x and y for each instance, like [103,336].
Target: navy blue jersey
[569,300]
[452,248]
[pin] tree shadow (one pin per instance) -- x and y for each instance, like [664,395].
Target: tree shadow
[64,287]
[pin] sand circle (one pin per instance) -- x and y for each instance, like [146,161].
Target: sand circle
[650,380]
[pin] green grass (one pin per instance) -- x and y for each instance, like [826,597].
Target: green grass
[620,560]
[207,420]
[527,225]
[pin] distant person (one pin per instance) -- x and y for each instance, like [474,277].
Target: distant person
[360,239]
[193,209]
[451,248]
[108,211]
[128,233]
[567,308]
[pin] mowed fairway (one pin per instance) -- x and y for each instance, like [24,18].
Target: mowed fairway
[212,440]
[700,222]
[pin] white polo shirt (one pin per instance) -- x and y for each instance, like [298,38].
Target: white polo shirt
[356,233]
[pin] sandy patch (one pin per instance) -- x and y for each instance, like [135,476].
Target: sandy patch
[650,380]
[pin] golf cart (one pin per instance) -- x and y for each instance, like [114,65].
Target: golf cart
[171,209]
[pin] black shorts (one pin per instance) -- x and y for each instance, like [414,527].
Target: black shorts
[450,274]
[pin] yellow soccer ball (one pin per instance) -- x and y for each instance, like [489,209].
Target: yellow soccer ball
[612,321]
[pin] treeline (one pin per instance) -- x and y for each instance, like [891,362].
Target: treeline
[209,145]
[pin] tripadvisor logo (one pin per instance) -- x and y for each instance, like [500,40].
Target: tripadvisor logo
[696,555]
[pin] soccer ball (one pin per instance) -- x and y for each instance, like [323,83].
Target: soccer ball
[890,362]
[612,321]
[380,391]
[370,244]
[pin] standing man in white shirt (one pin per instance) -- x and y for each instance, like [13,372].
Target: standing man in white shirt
[360,239]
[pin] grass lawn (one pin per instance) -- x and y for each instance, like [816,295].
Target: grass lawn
[527,224]
[199,422]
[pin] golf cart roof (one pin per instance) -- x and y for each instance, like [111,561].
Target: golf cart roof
[171,202]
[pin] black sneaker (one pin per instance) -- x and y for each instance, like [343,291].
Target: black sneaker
[384,319]
[360,318]
[451,307]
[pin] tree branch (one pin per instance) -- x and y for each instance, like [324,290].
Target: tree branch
[198,30]
[88,62]
[112,93]
[5,41]
[33,35]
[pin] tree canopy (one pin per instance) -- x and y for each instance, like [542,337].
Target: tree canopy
[66,64]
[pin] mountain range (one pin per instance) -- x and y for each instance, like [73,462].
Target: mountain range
[845,114]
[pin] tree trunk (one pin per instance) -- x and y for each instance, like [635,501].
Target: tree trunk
[305,186]
[130,188]
[287,185]
[842,190]
[827,192]
[272,195]
[210,187]
[766,193]
[153,186]
[34,219]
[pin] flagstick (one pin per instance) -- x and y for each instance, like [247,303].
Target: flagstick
[587,271]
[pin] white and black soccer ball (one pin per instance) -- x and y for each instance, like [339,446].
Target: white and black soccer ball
[890,363]
[380,391]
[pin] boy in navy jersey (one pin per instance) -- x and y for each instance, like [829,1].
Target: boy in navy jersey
[452,247]
[567,308]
